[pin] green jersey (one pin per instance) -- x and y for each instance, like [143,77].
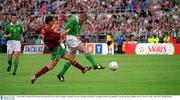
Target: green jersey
[15,30]
[74,25]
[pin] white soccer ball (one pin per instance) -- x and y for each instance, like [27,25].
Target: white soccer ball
[113,65]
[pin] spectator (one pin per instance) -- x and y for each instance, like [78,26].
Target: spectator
[166,38]
[120,40]
[109,41]
[156,39]
[137,21]
[38,40]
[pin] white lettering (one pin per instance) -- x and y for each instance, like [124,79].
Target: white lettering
[153,49]
[33,49]
[98,48]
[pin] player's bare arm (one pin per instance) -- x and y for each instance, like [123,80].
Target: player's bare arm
[8,35]
[91,25]
[63,35]
[66,31]
[22,38]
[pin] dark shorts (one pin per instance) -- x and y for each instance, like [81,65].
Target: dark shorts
[57,53]
[109,43]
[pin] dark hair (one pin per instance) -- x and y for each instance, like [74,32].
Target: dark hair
[49,19]
[13,14]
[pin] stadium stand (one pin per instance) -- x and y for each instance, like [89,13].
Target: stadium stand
[136,20]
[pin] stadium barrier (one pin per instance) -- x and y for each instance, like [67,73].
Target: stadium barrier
[152,49]
[98,48]
[94,48]
[34,49]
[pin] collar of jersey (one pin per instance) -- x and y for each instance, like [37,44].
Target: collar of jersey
[13,24]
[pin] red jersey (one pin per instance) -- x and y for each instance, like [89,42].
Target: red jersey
[51,38]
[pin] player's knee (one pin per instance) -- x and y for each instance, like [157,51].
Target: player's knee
[85,51]
[16,56]
[51,67]
[70,57]
[9,56]
[72,62]
[73,56]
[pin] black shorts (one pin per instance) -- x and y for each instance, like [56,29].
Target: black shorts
[109,43]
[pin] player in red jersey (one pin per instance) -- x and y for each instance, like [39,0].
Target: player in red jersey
[52,41]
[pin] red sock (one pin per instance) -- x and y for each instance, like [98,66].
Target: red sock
[77,65]
[42,71]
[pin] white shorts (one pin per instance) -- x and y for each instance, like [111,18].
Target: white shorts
[72,41]
[13,45]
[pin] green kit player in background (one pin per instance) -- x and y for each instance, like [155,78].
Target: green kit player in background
[74,25]
[14,34]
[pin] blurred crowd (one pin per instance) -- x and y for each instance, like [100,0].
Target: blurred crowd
[134,20]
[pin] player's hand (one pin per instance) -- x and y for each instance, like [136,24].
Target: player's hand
[5,36]
[62,34]
[91,25]
[62,37]
[8,35]
[62,40]
[67,31]
[79,37]
[22,39]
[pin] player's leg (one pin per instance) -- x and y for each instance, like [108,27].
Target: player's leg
[10,54]
[109,43]
[110,47]
[69,57]
[72,41]
[66,65]
[44,70]
[17,51]
[9,62]
[54,59]
[89,57]
[66,55]
[16,61]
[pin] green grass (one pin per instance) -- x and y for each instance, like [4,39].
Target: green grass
[137,75]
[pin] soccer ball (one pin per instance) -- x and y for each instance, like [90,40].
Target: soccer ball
[113,65]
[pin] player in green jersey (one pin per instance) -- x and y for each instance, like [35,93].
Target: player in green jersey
[74,25]
[14,34]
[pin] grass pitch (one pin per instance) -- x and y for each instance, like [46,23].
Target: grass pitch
[137,75]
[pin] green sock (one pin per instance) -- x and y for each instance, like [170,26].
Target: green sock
[10,62]
[65,68]
[15,66]
[90,59]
